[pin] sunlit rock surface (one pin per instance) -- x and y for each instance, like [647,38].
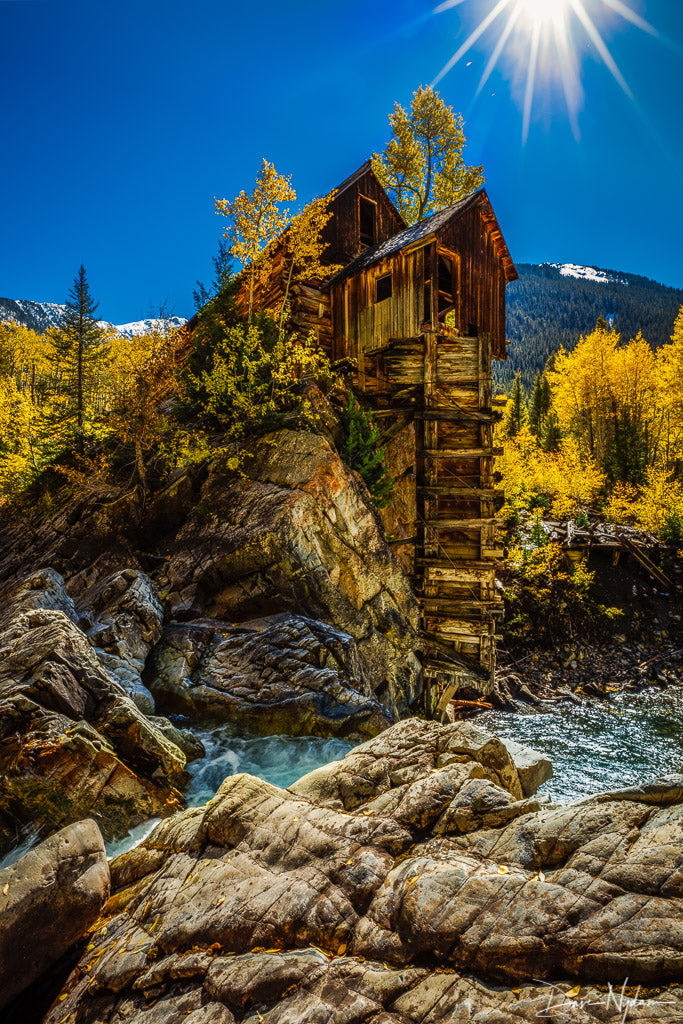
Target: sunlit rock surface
[72,743]
[298,536]
[409,882]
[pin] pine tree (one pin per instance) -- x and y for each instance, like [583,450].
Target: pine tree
[515,411]
[551,434]
[364,453]
[78,352]
[536,406]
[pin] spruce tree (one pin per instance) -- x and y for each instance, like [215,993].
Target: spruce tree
[536,406]
[551,434]
[78,351]
[516,411]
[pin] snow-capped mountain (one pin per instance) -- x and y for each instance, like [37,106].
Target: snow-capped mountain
[41,315]
[585,273]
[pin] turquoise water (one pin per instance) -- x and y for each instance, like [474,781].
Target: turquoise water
[599,745]
[280,760]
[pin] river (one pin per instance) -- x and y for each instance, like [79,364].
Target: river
[620,741]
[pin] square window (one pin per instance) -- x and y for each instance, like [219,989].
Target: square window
[384,288]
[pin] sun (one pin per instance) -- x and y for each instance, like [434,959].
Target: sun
[540,33]
[541,12]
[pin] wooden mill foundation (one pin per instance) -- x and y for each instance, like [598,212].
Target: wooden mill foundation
[442,382]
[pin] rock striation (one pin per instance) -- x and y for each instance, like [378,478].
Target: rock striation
[280,674]
[72,742]
[298,536]
[413,881]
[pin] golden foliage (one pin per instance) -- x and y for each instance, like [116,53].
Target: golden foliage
[569,479]
[422,168]
[256,219]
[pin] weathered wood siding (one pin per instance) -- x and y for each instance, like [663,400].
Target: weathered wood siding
[363,324]
[482,277]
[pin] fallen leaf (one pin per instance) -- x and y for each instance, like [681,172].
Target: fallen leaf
[573,992]
[5,889]
[221,900]
[502,870]
[350,860]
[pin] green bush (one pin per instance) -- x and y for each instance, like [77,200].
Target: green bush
[362,451]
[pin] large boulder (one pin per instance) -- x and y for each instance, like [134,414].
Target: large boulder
[437,893]
[411,754]
[299,536]
[532,767]
[48,900]
[282,674]
[72,743]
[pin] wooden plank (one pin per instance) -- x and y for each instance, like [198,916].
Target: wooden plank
[461,453]
[454,415]
[465,492]
[462,524]
[641,557]
[442,606]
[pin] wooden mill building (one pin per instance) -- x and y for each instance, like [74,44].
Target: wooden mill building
[422,311]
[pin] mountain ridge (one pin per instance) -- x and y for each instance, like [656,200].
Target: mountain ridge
[553,304]
[38,316]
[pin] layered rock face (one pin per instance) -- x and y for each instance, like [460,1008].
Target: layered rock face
[271,600]
[411,882]
[72,742]
[298,536]
[281,674]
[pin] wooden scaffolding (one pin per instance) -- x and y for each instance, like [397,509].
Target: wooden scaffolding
[443,382]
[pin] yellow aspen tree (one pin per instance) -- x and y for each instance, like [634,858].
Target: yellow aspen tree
[256,220]
[422,167]
[303,246]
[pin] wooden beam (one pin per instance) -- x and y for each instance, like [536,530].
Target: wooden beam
[462,524]
[457,415]
[465,492]
[442,606]
[464,453]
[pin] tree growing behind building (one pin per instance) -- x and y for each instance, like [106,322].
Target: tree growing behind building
[422,167]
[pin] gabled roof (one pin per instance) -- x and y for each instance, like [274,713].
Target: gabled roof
[353,178]
[427,228]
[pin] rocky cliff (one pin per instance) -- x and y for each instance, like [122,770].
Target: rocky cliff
[265,596]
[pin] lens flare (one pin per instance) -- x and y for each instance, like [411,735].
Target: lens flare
[538,35]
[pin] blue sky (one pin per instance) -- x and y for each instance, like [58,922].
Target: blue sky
[121,122]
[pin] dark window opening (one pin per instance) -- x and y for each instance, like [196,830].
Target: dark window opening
[445,279]
[368,221]
[472,330]
[427,310]
[384,288]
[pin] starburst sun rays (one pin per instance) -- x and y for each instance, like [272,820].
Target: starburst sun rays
[538,34]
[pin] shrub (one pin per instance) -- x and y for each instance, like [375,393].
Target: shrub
[362,451]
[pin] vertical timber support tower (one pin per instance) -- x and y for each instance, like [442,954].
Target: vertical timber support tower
[421,312]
